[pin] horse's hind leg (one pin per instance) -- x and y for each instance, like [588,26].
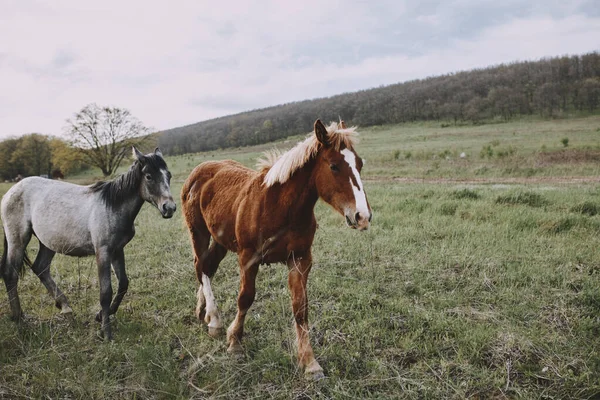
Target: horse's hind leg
[210,263]
[14,248]
[41,267]
[10,274]
[206,262]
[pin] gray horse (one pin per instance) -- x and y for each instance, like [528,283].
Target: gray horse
[80,221]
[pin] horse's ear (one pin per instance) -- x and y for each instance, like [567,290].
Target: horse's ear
[321,133]
[158,152]
[136,154]
[342,125]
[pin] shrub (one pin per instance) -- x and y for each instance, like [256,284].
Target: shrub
[565,141]
[448,208]
[444,154]
[486,151]
[522,198]
[465,194]
[560,226]
[509,151]
[587,208]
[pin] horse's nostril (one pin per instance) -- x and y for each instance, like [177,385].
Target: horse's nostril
[357,217]
[370,217]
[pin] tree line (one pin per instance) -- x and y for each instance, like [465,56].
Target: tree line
[548,87]
[96,136]
[37,154]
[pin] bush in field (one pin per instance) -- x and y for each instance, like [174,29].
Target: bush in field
[486,151]
[565,141]
[587,208]
[448,208]
[522,198]
[509,151]
[560,226]
[465,194]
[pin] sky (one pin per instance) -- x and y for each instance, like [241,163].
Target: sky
[180,62]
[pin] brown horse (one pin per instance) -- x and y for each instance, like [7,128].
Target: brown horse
[268,217]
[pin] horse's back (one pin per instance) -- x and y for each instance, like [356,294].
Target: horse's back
[19,198]
[214,193]
[216,176]
[34,190]
[57,212]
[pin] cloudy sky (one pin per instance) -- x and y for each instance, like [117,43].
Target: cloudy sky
[175,63]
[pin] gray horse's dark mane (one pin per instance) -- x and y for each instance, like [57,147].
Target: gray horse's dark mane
[115,192]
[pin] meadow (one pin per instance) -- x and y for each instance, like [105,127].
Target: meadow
[479,278]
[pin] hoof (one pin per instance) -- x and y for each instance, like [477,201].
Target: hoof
[103,336]
[235,350]
[18,318]
[314,372]
[67,312]
[68,316]
[215,332]
[99,316]
[314,375]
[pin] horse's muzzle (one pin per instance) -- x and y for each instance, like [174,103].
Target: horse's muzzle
[358,220]
[168,209]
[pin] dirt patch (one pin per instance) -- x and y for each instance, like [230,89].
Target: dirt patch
[568,156]
[576,180]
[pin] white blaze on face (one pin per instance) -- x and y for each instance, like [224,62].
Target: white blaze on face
[359,194]
[164,187]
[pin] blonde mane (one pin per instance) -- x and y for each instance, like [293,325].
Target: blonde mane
[281,167]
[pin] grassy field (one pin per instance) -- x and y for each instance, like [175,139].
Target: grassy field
[480,278]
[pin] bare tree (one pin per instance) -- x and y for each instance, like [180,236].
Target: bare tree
[104,135]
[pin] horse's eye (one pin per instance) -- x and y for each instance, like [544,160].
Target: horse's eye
[334,168]
[148,177]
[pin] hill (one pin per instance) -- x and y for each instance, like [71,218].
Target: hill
[549,87]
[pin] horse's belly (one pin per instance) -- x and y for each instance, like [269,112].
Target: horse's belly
[62,226]
[68,246]
[72,242]
[223,235]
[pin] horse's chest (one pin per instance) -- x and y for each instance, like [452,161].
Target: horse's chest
[124,237]
[278,246]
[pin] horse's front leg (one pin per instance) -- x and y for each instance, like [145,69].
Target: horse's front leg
[103,258]
[299,268]
[248,271]
[118,264]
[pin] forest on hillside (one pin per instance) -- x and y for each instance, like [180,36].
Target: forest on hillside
[39,155]
[549,87]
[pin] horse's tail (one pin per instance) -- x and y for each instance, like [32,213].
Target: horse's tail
[21,270]
[185,189]
[3,260]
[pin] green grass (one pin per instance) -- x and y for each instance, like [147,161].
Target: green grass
[469,289]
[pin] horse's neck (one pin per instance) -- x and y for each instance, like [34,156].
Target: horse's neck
[301,193]
[131,208]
